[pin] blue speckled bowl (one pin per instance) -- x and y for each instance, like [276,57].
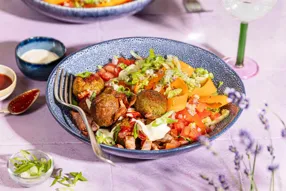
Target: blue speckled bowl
[39,72]
[99,54]
[86,15]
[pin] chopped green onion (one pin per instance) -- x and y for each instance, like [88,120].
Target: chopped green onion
[69,180]
[29,165]
[74,102]
[84,74]
[93,95]
[135,131]
[115,131]
[220,83]
[122,66]
[104,137]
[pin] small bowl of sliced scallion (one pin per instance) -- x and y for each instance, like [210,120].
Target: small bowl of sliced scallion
[30,167]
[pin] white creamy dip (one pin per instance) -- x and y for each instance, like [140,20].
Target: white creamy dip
[39,56]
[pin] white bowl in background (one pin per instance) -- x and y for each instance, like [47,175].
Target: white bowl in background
[12,75]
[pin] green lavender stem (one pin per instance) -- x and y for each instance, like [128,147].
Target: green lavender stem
[253,184]
[241,45]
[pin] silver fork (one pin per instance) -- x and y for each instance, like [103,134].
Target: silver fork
[63,94]
[194,6]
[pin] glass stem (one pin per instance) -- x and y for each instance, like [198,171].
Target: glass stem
[241,45]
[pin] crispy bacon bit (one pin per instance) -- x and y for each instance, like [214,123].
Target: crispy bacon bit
[119,146]
[154,146]
[147,145]
[168,138]
[80,124]
[133,114]
[132,100]
[130,142]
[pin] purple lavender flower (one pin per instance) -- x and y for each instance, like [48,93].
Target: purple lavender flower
[209,181]
[223,182]
[257,150]
[246,172]
[232,149]
[283,133]
[263,119]
[246,139]
[237,98]
[237,159]
[270,149]
[273,167]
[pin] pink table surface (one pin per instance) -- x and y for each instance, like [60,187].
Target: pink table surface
[37,129]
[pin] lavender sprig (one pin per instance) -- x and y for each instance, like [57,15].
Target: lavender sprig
[206,142]
[237,98]
[263,119]
[223,182]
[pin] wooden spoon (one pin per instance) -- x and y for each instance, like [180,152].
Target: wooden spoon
[22,103]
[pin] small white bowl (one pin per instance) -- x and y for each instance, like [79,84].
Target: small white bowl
[12,75]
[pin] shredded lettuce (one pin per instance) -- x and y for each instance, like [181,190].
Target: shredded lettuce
[164,119]
[122,66]
[168,76]
[84,74]
[173,93]
[115,132]
[135,55]
[103,136]
[220,83]
[124,90]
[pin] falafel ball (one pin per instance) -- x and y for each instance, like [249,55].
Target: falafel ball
[151,104]
[93,83]
[104,108]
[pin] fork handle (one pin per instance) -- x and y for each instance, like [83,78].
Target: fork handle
[95,146]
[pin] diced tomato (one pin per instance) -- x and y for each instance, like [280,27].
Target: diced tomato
[101,71]
[186,131]
[126,61]
[194,134]
[117,70]
[141,136]
[204,114]
[125,129]
[110,68]
[173,144]
[96,75]
[174,132]
[133,114]
[201,107]
[189,118]
[215,116]
[179,125]
[107,76]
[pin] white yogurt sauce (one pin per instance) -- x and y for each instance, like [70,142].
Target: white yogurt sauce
[39,56]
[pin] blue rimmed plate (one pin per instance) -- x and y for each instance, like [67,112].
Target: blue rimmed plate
[86,15]
[99,54]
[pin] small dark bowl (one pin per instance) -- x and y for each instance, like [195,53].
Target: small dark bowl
[86,15]
[89,58]
[39,72]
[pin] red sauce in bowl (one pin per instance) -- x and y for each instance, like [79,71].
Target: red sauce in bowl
[5,81]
